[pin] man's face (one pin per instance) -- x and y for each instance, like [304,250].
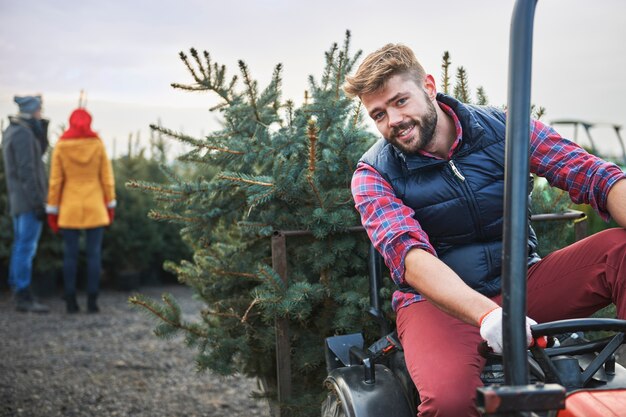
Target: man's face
[404,114]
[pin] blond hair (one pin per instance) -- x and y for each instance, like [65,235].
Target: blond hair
[379,66]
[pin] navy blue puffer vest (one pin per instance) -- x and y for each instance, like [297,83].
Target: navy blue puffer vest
[458,203]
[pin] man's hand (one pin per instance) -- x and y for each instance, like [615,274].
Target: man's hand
[491,329]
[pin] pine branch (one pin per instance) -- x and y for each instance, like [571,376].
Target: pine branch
[232,315]
[445,76]
[461,88]
[260,199]
[251,89]
[346,48]
[187,87]
[276,85]
[196,57]
[195,142]
[537,112]
[271,277]
[155,188]
[330,58]
[210,80]
[346,45]
[245,181]
[252,304]
[339,75]
[312,135]
[289,105]
[175,324]
[170,174]
[481,96]
[236,274]
[155,215]
[191,70]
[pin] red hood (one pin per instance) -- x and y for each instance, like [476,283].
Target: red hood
[80,126]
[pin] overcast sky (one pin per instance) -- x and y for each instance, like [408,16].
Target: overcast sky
[125,53]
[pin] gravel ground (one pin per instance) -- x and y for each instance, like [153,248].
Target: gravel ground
[109,364]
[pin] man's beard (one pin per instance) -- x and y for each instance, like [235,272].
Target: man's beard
[425,132]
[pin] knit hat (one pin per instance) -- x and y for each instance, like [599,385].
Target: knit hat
[28,104]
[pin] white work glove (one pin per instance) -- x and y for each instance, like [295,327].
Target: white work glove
[491,329]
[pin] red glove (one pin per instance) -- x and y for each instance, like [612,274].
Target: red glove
[111,211]
[53,222]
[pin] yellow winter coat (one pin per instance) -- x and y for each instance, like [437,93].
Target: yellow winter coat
[81,185]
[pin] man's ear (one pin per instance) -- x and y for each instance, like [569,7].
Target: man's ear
[430,87]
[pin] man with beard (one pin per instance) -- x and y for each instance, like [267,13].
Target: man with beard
[23,143]
[430,195]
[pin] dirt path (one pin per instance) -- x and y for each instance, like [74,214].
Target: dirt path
[109,364]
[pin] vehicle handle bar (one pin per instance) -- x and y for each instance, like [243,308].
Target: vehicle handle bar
[578,325]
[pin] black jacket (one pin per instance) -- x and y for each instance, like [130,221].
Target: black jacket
[24,169]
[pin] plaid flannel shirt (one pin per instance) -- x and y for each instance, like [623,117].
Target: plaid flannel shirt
[394,231]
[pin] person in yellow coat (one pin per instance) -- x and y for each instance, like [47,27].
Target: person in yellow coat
[81,196]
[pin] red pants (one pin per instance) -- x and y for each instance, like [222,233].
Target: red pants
[573,282]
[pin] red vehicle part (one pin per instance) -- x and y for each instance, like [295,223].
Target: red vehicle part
[607,403]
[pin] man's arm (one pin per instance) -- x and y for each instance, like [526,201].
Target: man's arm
[587,178]
[616,202]
[389,223]
[444,288]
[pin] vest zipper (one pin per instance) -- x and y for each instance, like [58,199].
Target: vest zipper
[456,171]
[474,212]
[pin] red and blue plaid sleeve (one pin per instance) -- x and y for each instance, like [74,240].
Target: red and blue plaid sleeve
[569,167]
[387,220]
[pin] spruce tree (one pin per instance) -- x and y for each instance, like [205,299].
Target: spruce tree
[461,90]
[461,87]
[272,166]
[445,73]
[481,96]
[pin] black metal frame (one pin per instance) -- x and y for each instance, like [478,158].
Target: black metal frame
[515,235]
[515,229]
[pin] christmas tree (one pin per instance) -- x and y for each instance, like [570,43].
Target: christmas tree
[273,166]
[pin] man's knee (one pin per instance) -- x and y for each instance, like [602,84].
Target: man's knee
[614,243]
[449,403]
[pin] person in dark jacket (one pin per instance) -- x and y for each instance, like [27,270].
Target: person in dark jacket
[23,143]
[430,195]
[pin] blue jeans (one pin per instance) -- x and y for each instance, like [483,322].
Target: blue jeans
[93,247]
[26,231]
